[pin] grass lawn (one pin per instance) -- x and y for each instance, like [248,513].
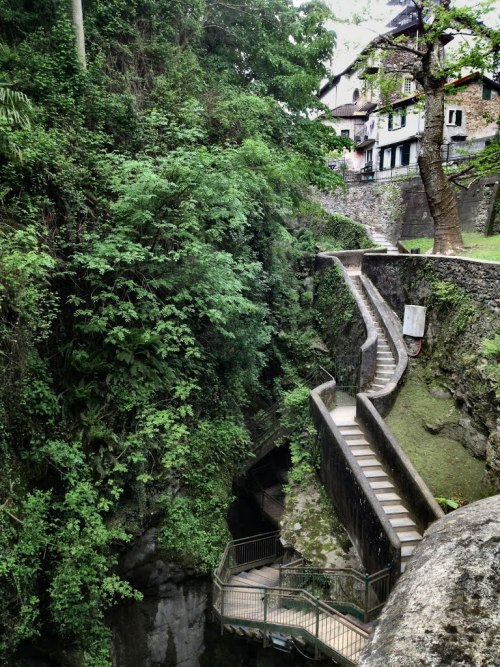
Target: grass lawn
[477,246]
[444,464]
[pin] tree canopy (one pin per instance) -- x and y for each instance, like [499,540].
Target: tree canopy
[429,25]
[148,287]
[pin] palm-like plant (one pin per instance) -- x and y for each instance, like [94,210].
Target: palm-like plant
[14,113]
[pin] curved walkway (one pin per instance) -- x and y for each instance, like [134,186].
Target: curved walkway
[381,500]
[361,444]
[379,497]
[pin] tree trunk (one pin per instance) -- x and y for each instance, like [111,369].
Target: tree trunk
[442,204]
[77,16]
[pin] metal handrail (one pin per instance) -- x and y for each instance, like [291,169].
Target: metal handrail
[347,588]
[262,492]
[271,609]
[272,412]
[314,601]
[326,570]
[241,553]
[260,536]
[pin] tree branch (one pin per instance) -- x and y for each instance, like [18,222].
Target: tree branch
[401,47]
[453,177]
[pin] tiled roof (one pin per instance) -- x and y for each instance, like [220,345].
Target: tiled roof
[344,111]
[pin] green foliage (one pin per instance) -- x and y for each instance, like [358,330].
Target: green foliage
[487,161]
[335,306]
[150,283]
[302,441]
[491,368]
[194,526]
[333,231]
[14,113]
[448,504]
[491,347]
[454,301]
[477,246]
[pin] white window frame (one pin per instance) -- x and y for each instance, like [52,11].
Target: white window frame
[407,85]
[396,120]
[451,116]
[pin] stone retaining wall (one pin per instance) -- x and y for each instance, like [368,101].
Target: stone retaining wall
[452,349]
[398,209]
[480,280]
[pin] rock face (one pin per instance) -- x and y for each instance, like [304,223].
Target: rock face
[167,627]
[445,609]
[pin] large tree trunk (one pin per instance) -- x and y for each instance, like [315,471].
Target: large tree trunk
[442,204]
[77,16]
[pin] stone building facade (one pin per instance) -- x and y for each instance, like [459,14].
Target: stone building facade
[479,97]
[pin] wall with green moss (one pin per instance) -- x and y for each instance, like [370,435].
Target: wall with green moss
[338,318]
[460,349]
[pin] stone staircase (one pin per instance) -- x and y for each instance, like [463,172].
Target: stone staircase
[377,474]
[382,240]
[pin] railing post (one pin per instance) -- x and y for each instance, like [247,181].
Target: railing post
[222,591]
[367,584]
[265,605]
[316,647]
[280,578]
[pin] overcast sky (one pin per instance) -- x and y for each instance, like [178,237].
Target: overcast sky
[351,38]
[375,15]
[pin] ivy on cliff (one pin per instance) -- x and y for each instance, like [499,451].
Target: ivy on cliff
[148,284]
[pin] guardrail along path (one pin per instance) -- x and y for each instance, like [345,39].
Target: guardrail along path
[360,442]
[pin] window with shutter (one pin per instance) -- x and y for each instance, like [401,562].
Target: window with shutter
[455,117]
[405,155]
[486,92]
[403,120]
[407,85]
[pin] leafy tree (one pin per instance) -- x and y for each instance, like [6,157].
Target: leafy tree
[14,113]
[433,20]
[149,285]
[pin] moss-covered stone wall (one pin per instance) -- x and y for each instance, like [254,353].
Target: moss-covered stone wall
[338,319]
[463,302]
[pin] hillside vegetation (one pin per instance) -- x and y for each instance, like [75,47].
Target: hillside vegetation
[149,283]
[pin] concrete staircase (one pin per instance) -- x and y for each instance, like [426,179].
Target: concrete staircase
[382,240]
[378,475]
[267,576]
[386,362]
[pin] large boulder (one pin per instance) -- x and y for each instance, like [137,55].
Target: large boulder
[445,609]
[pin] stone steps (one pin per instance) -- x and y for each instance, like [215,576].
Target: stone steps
[359,443]
[381,240]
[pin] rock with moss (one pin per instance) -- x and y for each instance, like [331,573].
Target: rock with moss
[310,526]
[444,610]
